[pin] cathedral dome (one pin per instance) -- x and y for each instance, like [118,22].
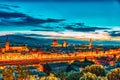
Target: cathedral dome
[55,42]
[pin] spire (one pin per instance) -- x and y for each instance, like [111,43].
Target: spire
[90,45]
[7,44]
[90,42]
[90,39]
[64,43]
[7,39]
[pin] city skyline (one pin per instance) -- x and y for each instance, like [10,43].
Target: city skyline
[59,39]
[98,20]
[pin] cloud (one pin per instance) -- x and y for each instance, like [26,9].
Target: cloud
[29,35]
[115,33]
[34,21]
[4,14]
[11,19]
[6,7]
[73,27]
[80,27]
[6,33]
[12,6]
[65,35]
[42,30]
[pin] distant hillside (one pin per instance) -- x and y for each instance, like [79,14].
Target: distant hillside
[34,42]
[21,40]
[37,42]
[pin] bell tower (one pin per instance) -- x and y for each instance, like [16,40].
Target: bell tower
[90,45]
[7,44]
[64,43]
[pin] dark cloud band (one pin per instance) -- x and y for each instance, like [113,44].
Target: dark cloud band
[115,33]
[81,27]
[7,17]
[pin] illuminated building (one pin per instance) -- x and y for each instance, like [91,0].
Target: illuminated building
[65,44]
[112,63]
[85,46]
[90,45]
[8,48]
[56,44]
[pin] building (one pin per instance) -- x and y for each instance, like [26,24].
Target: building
[65,44]
[90,45]
[86,46]
[8,48]
[56,44]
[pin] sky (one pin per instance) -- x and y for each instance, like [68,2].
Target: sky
[69,19]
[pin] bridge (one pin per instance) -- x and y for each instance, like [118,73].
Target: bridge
[38,61]
[48,59]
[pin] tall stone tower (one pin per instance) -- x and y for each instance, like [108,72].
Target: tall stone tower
[7,44]
[64,43]
[90,45]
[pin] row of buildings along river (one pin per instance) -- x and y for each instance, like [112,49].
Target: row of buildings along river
[89,51]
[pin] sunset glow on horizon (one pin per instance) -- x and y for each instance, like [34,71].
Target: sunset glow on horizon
[48,19]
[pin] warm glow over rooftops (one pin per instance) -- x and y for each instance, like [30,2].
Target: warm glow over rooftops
[67,34]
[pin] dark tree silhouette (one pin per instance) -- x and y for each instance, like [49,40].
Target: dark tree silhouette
[114,74]
[75,76]
[47,68]
[95,69]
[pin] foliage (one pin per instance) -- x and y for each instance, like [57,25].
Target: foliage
[114,74]
[83,63]
[88,76]
[47,69]
[74,76]
[93,72]
[61,74]
[95,69]
[8,73]
[102,78]
[49,78]
[69,68]
[21,71]
[79,64]
[118,59]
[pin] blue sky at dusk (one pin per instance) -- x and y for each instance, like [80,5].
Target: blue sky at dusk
[79,19]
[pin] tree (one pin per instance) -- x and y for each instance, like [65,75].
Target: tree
[25,72]
[102,78]
[114,74]
[61,74]
[47,69]
[49,78]
[1,75]
[22,72]
[8,73]
[69,68]
[19,70]
[118,59]
[74,76]
[95,69]
[88,76]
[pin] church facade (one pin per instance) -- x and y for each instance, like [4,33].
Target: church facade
[8,48]
[56,44]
